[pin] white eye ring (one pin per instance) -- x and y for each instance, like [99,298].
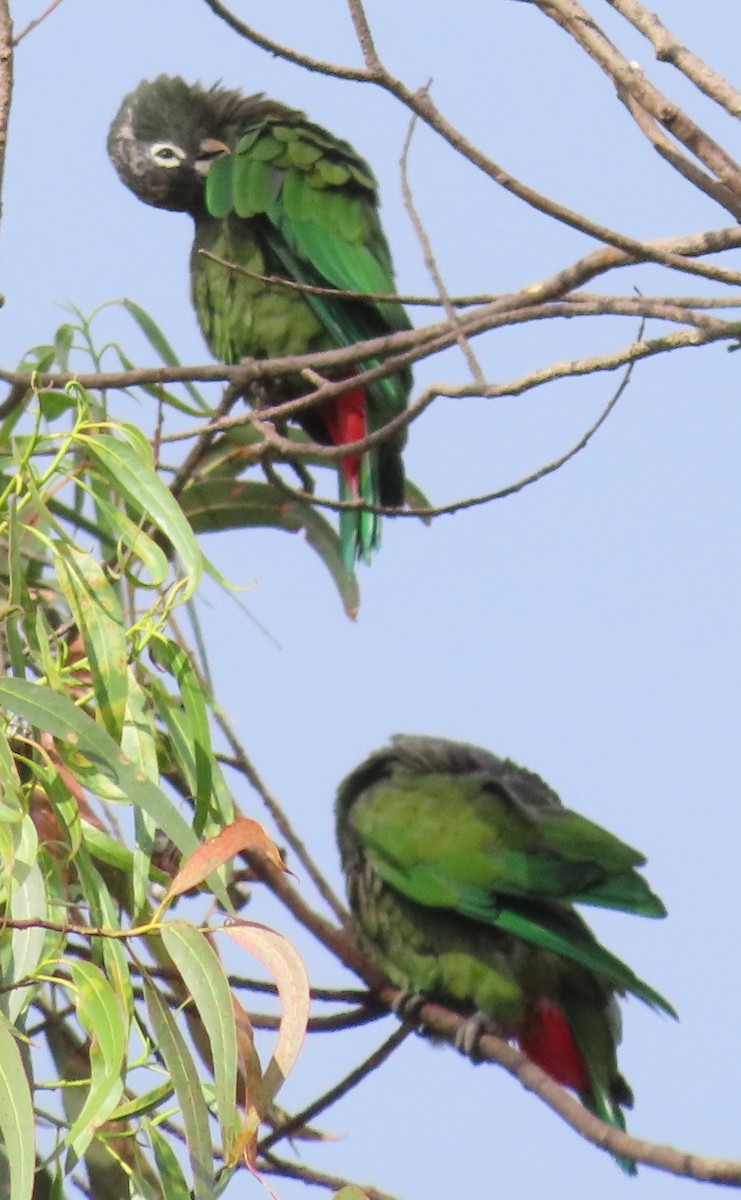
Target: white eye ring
[167,155]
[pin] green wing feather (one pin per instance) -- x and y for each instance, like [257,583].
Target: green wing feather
[450,843]
[319,199]
[475,832]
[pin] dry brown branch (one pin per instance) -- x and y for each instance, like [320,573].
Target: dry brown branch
[6,86]
[668,151]
[429,259]
[630,81]
[330,1097]
[36,21]
[271,1165]
[473,501]
[670,50]
[421,103]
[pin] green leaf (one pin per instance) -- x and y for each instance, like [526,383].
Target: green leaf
[97,613]
[133,475]
[104,914]
[28,902]
[415,498]
[170,655]
[120,527]
[111,852]
[203,975]
[174,1186]
[146,1103]
[99,1013]
[47,710]
[221,502]
[160,344]
[179,1063]
[16,1117]
[139,743]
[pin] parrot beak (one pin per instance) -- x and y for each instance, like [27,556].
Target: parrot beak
[209,149]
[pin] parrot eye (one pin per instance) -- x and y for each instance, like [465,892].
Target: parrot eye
[167,155]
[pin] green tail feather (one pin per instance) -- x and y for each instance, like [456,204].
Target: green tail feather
[608,1111]
[360,530]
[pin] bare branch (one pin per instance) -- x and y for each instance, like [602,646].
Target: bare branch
[6,86]
[364,35]
[421,103]
[630,81]
[330,1097]
[333,1183]
[669,49]
[286,52]
[36,21]
[429,258]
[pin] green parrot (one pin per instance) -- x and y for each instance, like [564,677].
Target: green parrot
[462,873]
[278,196]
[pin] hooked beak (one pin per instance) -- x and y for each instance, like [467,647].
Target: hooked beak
[210,148]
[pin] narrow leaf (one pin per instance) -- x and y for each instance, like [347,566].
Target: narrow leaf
[160,344]
[137,481]
[16,1117]
[97,613]
[221,502]
[48,710]
[174,1186]
[185,1080]
[100,1015]
[203,975]
[285,965]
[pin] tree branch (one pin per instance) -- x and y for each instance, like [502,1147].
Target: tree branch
[6,87]
[669,49]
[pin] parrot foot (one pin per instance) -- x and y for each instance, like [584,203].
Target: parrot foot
[407,1007]
[468,1036]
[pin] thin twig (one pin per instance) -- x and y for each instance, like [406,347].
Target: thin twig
[330,1097]
[630,81]
[272,1165]
[6,85]
[421,103]
[242,763]
[471,300]
[36,21]
[670,50]
[429,259]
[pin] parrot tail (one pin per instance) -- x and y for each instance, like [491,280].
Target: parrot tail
[551,1045]
[360,531]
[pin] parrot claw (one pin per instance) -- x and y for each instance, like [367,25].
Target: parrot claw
[468,1036]
[407,1007]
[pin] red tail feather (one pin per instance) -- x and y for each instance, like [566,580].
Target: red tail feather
[345,421]
[549,1042]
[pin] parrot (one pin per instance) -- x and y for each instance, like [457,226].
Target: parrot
[278,196]
[462,872]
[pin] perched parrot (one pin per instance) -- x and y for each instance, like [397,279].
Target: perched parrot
[279,196]
[462,872]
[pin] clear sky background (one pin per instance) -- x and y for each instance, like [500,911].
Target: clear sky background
[588,627]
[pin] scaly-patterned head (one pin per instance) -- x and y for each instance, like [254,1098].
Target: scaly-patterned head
[167,133]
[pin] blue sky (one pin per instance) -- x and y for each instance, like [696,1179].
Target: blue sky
[587,627]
